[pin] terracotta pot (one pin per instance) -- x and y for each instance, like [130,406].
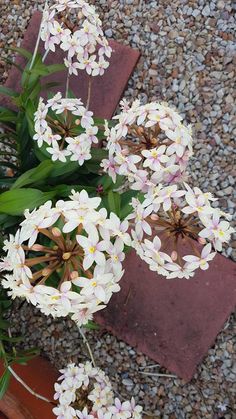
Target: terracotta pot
[18,403]
[11,408]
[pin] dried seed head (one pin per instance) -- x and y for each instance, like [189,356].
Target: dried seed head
[154,141]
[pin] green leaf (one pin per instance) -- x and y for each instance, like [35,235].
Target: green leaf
[22,51]
[91,325]
[15,202]
[54,68]
[8,61]
[6,115]
[8,92]
[126,198]
[4,324]
[24,356]
[4,382]
[12,339]
[39,71]
[51,84]
[93,165]
[65,190]
[8,221]
[114,202]
[30,111]
[99,153]
[28,78]
[24,142]
[62,170]
[34,175]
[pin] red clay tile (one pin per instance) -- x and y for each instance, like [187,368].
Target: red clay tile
[174,322]
[107,90]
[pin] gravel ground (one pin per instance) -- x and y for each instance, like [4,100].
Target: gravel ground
[188,59]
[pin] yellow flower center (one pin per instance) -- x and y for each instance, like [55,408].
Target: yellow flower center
[154,153]
[55,297]
[92,249]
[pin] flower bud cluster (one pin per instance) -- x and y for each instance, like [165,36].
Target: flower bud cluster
[78,262]
[66,127]
[84,43]
[148,144]
[177,217]
[85,392]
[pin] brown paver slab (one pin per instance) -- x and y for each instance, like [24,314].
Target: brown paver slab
[173,321]
[106,90]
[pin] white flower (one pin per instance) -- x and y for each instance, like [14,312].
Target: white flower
[84,414]
[90,379]
[139,214]
[111,167]
[201,261]
[87,46]
[72,66]
[197,202]
[93,247]
[56,133]
[166,194]
[154,158]
[120,410]
[181,138]
[178,271]
[83,252]
[118,228]
[216,230]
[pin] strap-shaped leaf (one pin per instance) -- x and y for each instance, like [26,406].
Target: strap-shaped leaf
[114,202]
[8,92]
[34,175]
[4,382]
[7,115]
[22,51]
[16,201]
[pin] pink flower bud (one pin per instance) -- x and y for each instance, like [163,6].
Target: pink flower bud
[154,217]
[174,255]
[56,232]
[37,247]
[74,275]
[201,240]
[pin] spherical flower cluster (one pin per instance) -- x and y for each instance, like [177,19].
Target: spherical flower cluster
[85,392]
[78,262]
[149,144]
[176,218]
[84,43]
[66,127]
